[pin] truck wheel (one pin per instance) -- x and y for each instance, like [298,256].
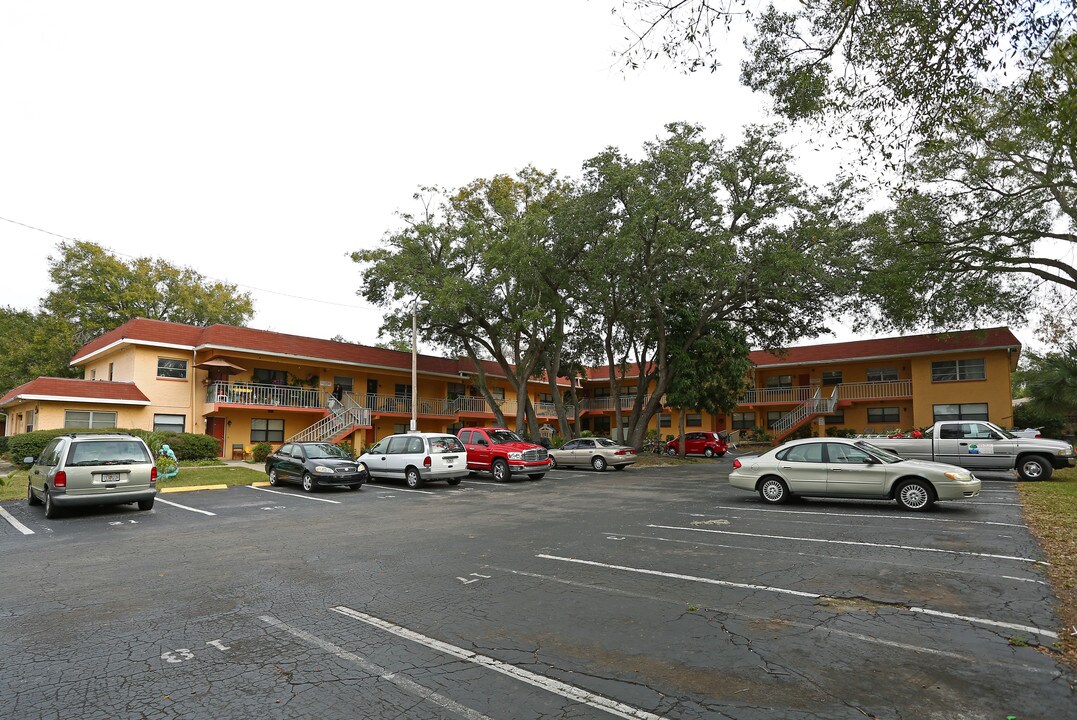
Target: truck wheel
[914,495]
[1034,467]
[500,470]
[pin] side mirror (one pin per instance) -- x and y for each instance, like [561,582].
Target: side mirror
[28,461]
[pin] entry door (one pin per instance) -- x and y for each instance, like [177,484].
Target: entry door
[215,428]
[851,471]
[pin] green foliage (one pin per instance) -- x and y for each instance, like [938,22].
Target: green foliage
[1028,415]
[347,447]
[758,434]
[3,444]
[841,432]
[804,431]
[165,464]
[190,446]
[261,451]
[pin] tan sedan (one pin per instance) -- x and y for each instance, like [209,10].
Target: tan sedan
[840,468]
[599,453]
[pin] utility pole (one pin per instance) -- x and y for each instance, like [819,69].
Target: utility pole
[414,363]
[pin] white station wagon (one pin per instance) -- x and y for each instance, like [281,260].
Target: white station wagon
[417,458]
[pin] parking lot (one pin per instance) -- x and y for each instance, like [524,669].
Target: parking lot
[654,592]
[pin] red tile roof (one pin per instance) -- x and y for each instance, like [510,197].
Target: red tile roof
[251,340]
[44,388]
[931,343]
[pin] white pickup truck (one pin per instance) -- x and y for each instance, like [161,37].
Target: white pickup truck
[980,445]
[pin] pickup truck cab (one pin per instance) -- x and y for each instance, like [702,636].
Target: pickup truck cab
[503,453]
[981,445]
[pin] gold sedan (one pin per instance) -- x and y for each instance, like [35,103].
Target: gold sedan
[599,453]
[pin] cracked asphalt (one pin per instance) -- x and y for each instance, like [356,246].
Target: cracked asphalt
[654,592]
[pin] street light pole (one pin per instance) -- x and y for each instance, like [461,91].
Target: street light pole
[414,363]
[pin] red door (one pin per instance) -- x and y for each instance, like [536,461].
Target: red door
[215,427]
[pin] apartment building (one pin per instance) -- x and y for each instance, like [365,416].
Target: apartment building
[245,386]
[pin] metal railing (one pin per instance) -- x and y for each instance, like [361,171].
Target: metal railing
[813,406]
[759,396]
[609,403]
[875,390]
[343,419]
[241,393]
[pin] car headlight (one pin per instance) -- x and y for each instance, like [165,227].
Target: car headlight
[361,467]
[322,469]
[516,456]
[959,476]
[1067,451]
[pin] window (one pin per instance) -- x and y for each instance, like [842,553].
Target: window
[402,390]
[168,423]
[400,428]
[110,372]
[847,454]
[498,393]
[465,437]
[265,376]
[171,368]
[455,390]
[884,415]
[93,374]
[344,381]
[693,420]
[665,420]
[832,377]
[602,425]
[92,419]
[807,453]
[398,445]
[774,416]
[31,418]
[51,455]
[964,411]
[743,420]
[545,398]
[952,370]
[445,444]
[602,392]
[267,430]
[837,418]
[780,381]
[882,374]
[585,445]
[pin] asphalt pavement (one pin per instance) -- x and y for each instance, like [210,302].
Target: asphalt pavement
[648,593]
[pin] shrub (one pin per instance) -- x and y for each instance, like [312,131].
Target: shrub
[760,435]
[347,447]
[843,432]
[187,446]
[261,451]
[1027,416]
[191,446]
[3,444]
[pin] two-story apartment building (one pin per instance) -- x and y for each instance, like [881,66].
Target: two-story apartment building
[245,386]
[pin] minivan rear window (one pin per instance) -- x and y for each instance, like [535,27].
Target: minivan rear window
[445,444]
[108,452]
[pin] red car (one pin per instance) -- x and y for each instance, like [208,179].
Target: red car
[710,444]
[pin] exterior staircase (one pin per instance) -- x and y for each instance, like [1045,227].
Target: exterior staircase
[344,416]
[804,413]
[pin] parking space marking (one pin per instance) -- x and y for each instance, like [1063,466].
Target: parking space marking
[395,489]
[858,543]
[184,507]
[403,683]
[976,502]
[787,591]
[557,687]
[295,495]
[488,483]
[867,517]
[15,523]
[830,557]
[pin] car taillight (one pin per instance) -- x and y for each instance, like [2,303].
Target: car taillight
[736,464]
[426,462]
[622,452]
[1038,435]
[60,480]
[153,474]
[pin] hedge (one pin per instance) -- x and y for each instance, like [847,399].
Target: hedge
[187,446]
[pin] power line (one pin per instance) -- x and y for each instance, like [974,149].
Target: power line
[208,277]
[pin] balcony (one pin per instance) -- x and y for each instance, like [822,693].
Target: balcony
[240,393]
[797,394]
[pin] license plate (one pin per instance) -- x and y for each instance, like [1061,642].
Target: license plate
[110,477]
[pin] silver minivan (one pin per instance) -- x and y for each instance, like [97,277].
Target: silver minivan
[417,458]
[92,469]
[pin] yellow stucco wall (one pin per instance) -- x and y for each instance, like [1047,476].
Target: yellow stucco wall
[994,390]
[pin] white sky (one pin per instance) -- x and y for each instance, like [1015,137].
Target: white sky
[261,142]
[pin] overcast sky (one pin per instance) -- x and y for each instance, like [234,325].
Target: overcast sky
[261,142]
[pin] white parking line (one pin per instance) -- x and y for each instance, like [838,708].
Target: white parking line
[303,497]
[976,502]
[739,611]
[565,690]
[184,507]
[829,557]
[403,683]
[500,486]
[15,523]
[868,517]
[856,542]
[785,591]
[395,489]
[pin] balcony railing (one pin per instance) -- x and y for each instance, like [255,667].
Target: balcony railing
[238,393]
[609,403]
[875,390]
[761,396]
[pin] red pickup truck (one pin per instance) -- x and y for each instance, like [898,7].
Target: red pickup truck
[503,453]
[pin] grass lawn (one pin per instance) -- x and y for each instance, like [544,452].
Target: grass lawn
[1051,513]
